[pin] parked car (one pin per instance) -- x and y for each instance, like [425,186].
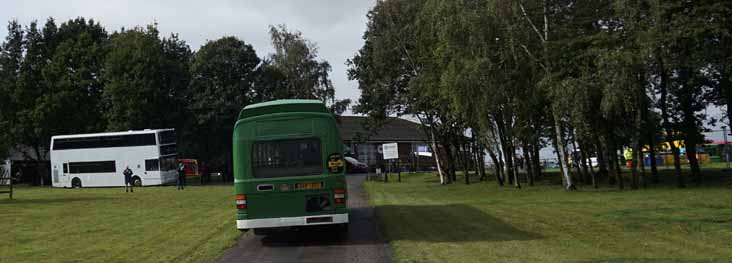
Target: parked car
[191,167]
[355,166]
[551,164]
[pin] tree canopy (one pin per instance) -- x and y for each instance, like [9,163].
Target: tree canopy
[592,78]
[78,78]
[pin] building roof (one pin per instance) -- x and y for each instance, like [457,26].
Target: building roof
[276,106]
[354,128]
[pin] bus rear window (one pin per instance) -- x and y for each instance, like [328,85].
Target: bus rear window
[285,158]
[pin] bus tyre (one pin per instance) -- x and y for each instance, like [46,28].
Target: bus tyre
[342,228]
[261,231]
[76,183]
[340,231]
[136,181]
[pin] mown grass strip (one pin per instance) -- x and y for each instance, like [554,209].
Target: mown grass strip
[153,224]
[427,222]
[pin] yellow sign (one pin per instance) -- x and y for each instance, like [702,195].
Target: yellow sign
[335,164]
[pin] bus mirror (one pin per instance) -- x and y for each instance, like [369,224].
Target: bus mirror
[335,163]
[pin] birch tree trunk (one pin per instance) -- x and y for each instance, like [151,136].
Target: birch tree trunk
[562,154]
[437,155]
[543,36]
[496,166]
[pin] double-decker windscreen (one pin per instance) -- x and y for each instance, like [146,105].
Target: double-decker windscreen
[284,158]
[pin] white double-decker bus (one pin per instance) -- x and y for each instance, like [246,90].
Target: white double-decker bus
[98,159]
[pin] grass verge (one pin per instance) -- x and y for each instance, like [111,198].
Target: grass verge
[481,222]
[153,224]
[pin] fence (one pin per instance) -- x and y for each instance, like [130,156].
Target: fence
[6,180]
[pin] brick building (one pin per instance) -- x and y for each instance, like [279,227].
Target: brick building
[364,143]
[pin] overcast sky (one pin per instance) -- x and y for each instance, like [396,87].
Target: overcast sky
[335,25]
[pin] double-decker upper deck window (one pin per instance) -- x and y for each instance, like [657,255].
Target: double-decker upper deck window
[283,158]
[104,141]
[166,137]
[167,149]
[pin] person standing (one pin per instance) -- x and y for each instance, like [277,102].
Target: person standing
[204,173]
[128,179]
[181,176]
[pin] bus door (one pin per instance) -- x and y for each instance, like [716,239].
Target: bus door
[64,178]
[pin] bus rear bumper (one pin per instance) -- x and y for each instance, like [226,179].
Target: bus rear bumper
[292,221]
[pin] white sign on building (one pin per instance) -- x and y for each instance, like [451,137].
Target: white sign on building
[390,151]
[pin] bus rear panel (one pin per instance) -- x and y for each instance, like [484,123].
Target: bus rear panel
[288,167]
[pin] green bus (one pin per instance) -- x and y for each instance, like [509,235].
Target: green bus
[288,167]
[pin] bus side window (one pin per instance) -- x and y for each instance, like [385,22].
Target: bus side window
[66,168]
[152,165]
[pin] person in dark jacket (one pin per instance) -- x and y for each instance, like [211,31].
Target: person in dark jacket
[203,168]
[128,179]
[181,176]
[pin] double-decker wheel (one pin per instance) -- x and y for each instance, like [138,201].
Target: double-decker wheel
[76,183]
[136,181]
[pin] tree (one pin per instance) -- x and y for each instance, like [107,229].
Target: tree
[145,80]
[303,76]
[396,76]
[74,80]
[51,83]
[11,55]
[223,77]
[680,40]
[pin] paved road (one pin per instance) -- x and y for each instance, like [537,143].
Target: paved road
[363,242]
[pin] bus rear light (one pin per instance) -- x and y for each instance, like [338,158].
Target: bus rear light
[339,194]
[241,201]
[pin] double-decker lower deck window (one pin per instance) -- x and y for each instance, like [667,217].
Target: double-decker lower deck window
[152,165]
[168,163]
[92,167]
[283,158]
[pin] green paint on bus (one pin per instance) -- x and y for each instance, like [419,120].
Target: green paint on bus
[288,166]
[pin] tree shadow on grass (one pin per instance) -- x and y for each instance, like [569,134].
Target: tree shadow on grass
[651,260]
[446,223]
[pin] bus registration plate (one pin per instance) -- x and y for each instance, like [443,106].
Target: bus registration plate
[309,185]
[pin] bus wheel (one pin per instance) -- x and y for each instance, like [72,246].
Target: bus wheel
[342,228]
[136,181]
[76,183]
[261,231]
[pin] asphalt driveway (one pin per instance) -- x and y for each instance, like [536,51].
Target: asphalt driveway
[363,242]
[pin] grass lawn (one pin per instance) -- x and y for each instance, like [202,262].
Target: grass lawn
[427,222]
[153,224]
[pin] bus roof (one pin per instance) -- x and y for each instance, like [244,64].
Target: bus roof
[277,106]
[82,135]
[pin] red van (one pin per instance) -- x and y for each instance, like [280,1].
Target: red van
[191,166]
